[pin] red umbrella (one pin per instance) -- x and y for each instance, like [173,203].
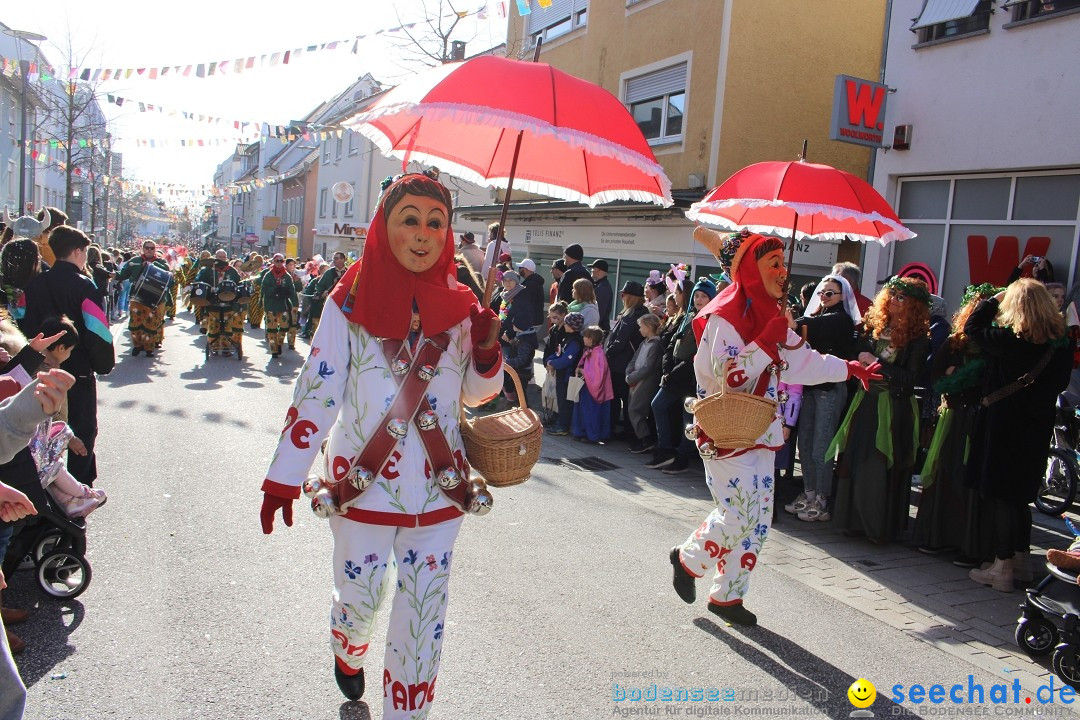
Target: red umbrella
[577,141]
[800,199]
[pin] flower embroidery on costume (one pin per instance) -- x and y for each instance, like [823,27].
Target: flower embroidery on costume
[432,565]
[352,571]
[315,352]
[445,562]
[368,559]
[329,403]
[410,557]
[746,544]
[733,482]
[438,631]
[325,370]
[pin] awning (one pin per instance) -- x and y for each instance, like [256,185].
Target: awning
[939,11]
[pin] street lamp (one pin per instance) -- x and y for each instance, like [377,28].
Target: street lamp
[24,70]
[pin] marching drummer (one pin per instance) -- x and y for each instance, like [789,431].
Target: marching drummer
[146,321]
[279,297]
[224,319]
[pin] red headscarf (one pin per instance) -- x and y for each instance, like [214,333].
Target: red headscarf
[744,303]
[384,291]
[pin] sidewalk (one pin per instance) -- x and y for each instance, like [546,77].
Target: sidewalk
[926,597]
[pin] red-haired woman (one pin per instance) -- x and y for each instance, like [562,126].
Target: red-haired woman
[879,434]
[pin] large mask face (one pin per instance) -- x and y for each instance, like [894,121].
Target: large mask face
[773,273]
[416,231]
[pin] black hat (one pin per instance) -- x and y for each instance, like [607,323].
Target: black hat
[559,265]
[468,237]
[632,287]
[574,251]
[599,265]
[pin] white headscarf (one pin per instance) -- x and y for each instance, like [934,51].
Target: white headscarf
[850,306]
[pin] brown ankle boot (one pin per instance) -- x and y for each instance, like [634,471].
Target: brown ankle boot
[11,616]
[15,643]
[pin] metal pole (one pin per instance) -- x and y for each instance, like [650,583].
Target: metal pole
[108,174]
[24,68]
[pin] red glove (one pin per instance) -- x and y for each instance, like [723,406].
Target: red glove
[775,332]
[270,505]
[485,323]
[864,375]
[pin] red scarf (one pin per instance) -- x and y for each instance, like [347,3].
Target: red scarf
[278,272]
[383,292]
[744,303]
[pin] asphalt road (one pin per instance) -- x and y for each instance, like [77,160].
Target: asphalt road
[560,594]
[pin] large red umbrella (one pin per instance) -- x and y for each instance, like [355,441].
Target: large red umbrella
[577,141]
[800,199]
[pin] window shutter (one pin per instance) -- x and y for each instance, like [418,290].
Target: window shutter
[939,11]
[559,10]
[656,84]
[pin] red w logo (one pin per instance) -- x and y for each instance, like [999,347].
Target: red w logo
[864,105]
[986,266]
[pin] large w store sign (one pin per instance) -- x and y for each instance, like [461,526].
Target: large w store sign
[858,114]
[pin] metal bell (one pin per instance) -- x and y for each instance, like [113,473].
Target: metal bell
[398,428]
[399,367]
[311,486]
[322,503]
[428,420]
[784,366]
[478,499]
[782,397]
[448,478]
[707,450]
[426,373]
[773,369]
[361,478]
[692,431]
[688,404]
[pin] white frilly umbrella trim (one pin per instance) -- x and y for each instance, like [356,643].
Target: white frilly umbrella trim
[704,212]
[515,121]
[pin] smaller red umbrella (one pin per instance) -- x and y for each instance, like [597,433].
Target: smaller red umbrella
[801,200]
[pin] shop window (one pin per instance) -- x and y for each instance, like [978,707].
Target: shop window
[1047,197]
[657,100]
[555,20]
[941,19]
[924,199]
[1029,9]
[981,199]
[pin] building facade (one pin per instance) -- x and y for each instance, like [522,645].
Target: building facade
[992,173]
[714,85]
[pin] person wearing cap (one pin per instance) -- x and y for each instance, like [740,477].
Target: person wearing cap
[146,324]
[620,346]
[563,363]
[605,296]
[574,271]
[517,334]
[279,297]
[533,284]
[472,253]
[558,268]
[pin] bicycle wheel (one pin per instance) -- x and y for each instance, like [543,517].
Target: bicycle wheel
[1058,488]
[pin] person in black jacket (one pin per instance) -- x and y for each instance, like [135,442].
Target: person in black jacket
[605,296]
[65,290]
[534,287]
[574,271]
[619,347]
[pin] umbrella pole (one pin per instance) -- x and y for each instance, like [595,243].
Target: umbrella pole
[489,283]
[787,282]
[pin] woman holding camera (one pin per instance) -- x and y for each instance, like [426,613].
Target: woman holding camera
[279,298]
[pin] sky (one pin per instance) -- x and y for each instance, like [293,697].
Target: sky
[126,33]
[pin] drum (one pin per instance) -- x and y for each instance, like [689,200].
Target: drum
[227,291]
[200,294]
[244,291]
[149,288]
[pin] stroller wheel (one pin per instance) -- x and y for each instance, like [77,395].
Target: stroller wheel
[1066,665]
[63,574]
[50,542]
[1036,636]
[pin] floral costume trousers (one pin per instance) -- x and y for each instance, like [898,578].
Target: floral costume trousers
[146,325]
[277,325]
[730,539]
[224,328]
[422,556]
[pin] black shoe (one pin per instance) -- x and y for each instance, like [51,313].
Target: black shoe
[735,614]
[966,562]
[134,352]
[292,347]
[678,467]
[202,331]
[661,458]
[351,686]
[682,581]
[642,446]
[149,353]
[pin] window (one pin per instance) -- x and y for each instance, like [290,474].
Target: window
[354,142]
[337,153]
[559,18]
[350,207]
[941,19]
[323,194]
[1028,9]
[326,152]
[657,100]
[333,207]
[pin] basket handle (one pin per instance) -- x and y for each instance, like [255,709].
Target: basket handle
[517,386]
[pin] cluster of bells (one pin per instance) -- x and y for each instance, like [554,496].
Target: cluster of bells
[478,499]
[693,431]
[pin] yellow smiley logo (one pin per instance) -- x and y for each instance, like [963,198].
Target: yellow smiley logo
[862,693]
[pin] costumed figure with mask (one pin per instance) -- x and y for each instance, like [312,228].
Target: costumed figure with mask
[224,319]
[146,323]
[37,229]
[279,298]
[745,338]
[401,344]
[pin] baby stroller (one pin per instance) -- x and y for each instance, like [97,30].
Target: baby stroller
[1050,622]
[54,544]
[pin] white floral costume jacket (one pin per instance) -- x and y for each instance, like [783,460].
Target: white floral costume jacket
[344,389]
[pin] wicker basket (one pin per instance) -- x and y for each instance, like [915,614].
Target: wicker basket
[505,446]
[734,420]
